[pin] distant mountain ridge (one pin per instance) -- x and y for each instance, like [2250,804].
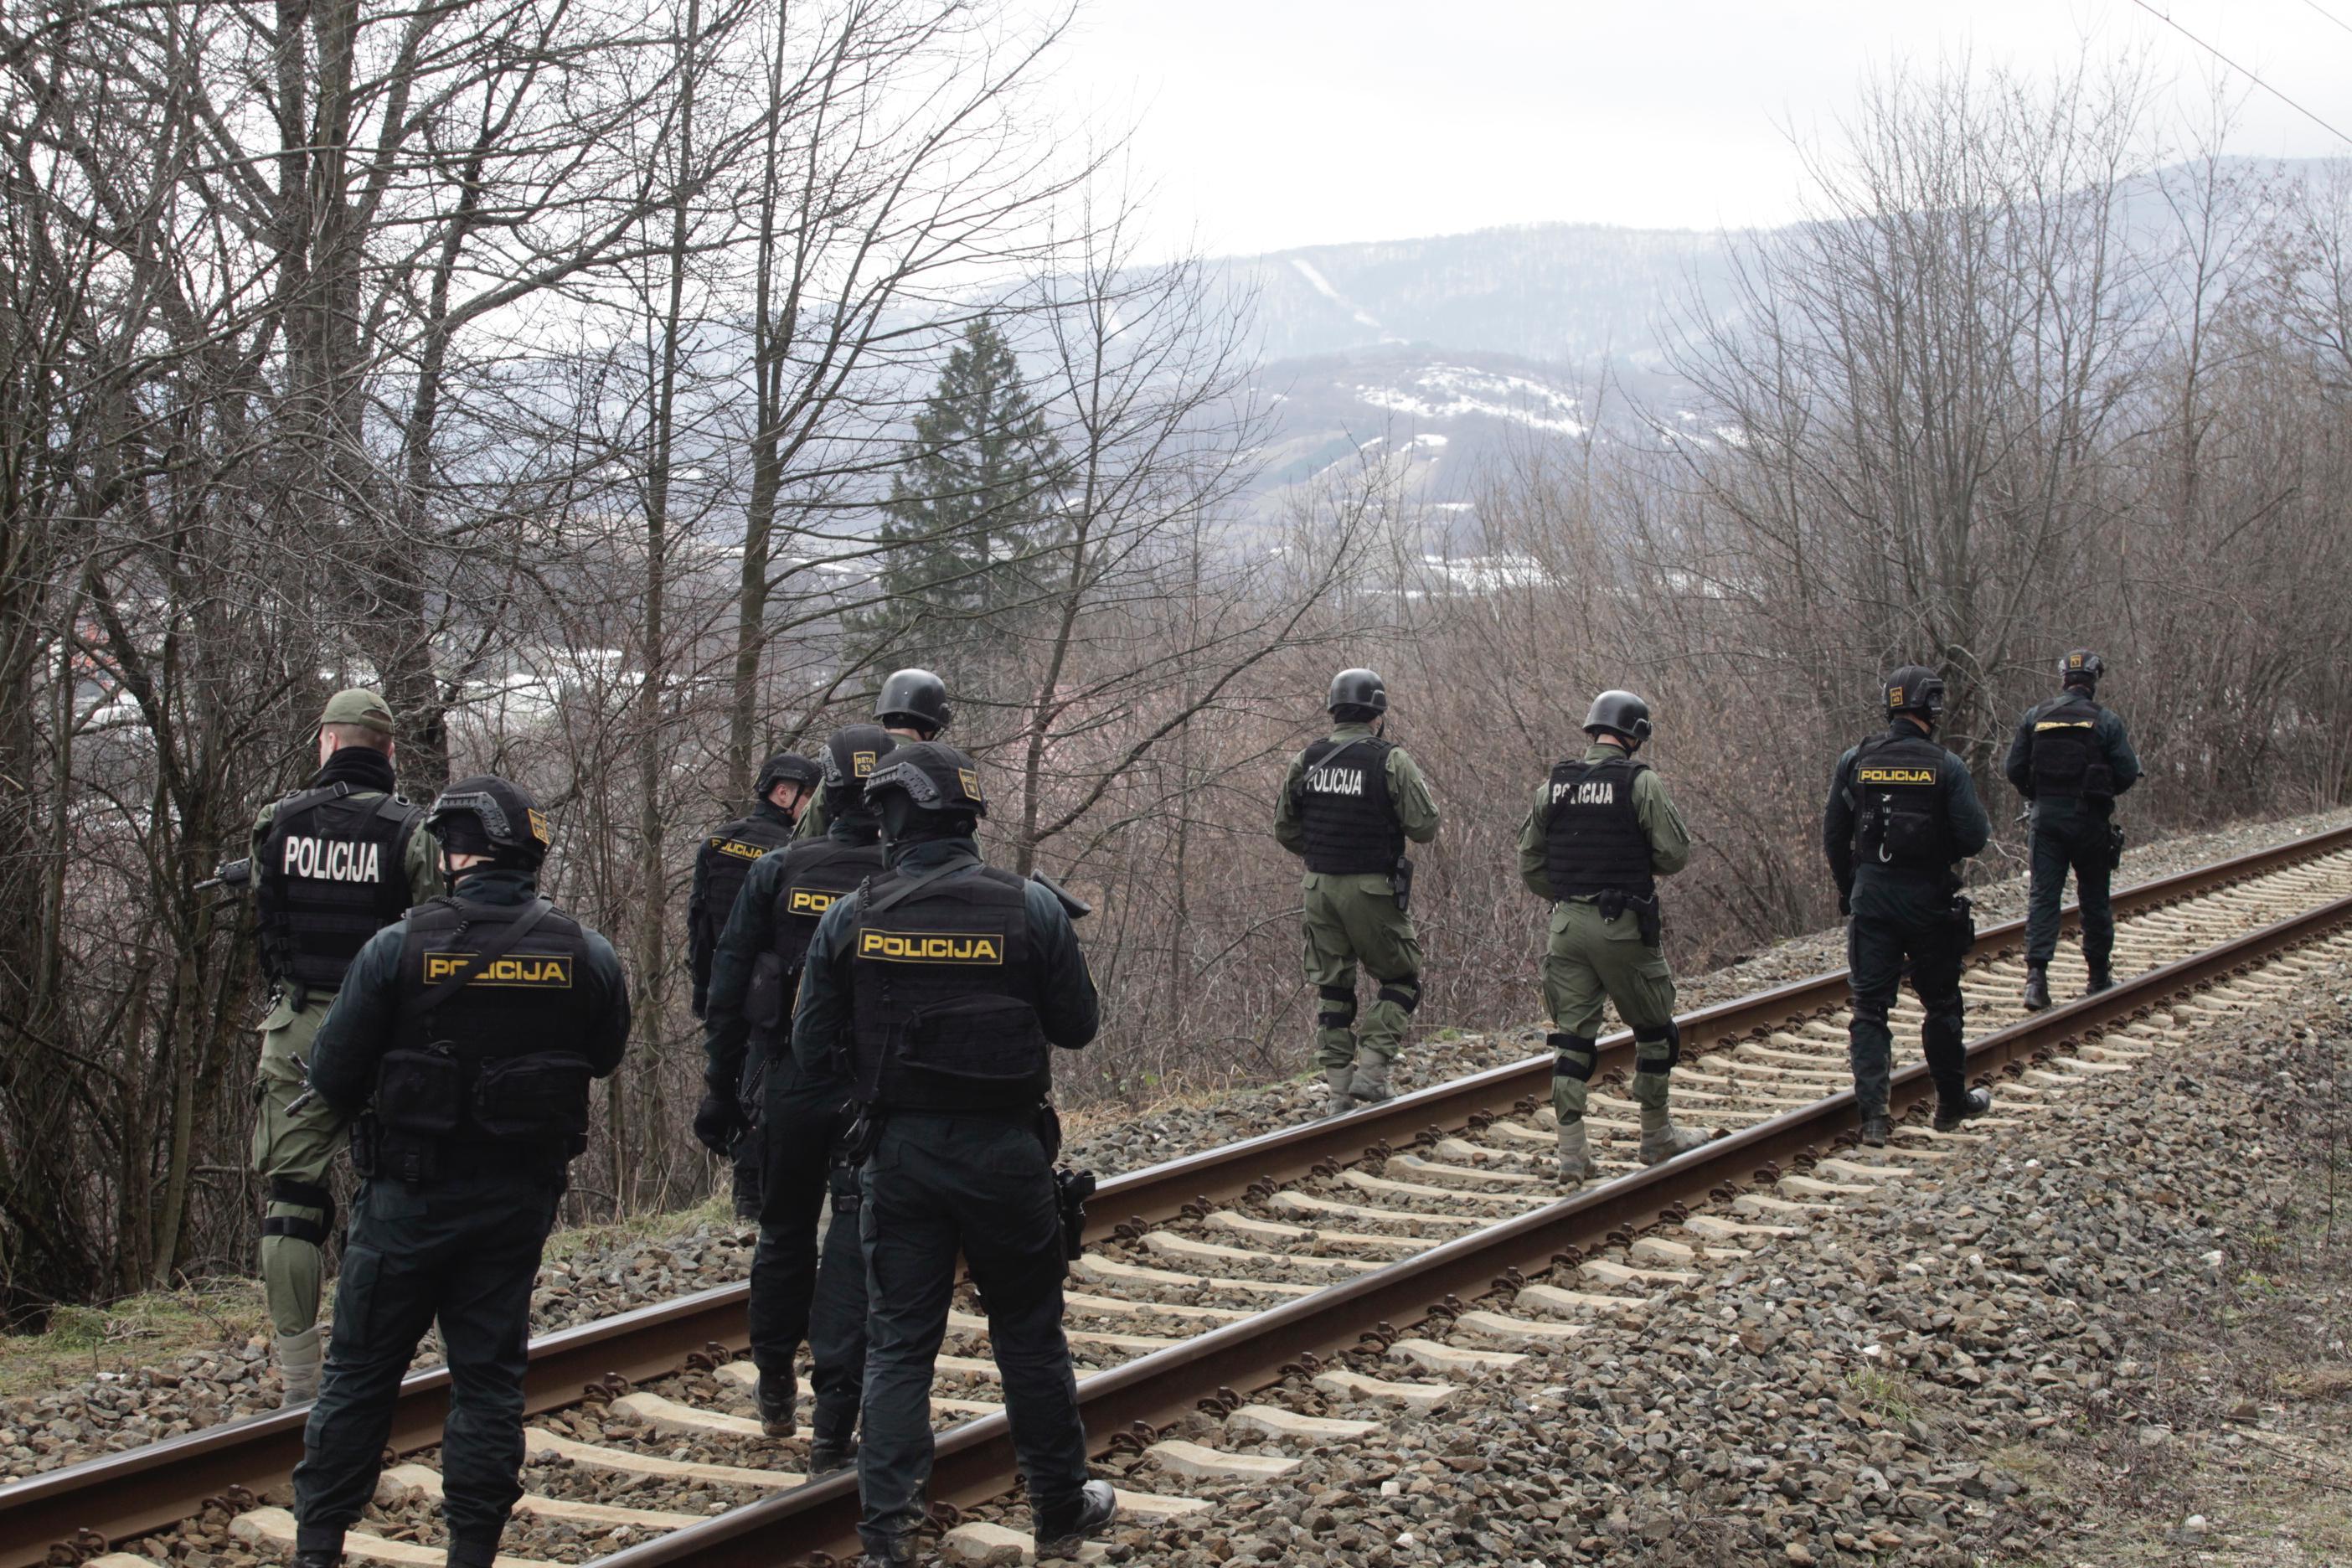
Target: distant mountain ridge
[1560,293]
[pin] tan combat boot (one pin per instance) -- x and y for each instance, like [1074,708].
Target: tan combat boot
[1662,1140]
[1575,1154]
[1342,1099]
[298,1367]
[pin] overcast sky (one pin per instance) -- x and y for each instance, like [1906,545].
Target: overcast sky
[1265,124]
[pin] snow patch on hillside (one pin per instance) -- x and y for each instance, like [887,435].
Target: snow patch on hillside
[1457,391]
[1322,285]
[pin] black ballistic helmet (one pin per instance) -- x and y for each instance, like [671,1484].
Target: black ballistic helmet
[2081,666]
[933,775]
[914,700]
[1361,688]
[1619,713]
[1915,688]
[487,815]
[852,755]
[787,767]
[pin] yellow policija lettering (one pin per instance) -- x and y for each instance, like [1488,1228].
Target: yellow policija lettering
[930,946]
[544,971]
[1898,775]
[737,848]
[811,900]
[2061,724]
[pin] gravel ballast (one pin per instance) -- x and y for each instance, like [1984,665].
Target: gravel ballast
[1805,1407]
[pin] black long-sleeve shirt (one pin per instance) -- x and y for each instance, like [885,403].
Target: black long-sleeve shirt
[1067,1008]
[358,1029]
[1971,828]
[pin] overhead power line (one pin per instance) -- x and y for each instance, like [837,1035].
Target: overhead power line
[2243,71]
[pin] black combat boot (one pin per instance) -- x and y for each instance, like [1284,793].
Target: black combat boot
[1874,1126]
[321,1557]
[831,1450]
[1976,1102]
[1097,1506]
[895,1552]
[780,1401]
[2037,987]
[2102,979]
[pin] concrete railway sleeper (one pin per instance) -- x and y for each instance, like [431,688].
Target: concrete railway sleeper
[1268,1280]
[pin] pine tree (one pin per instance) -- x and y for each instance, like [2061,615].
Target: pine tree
[973,517]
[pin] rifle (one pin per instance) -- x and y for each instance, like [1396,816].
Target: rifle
[1076,908]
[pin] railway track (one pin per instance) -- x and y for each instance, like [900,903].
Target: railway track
[1282,1262]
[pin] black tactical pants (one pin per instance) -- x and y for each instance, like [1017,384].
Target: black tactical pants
[983,1185]
[1889,927]
[461,1250]
[794,1296]
[2066,837]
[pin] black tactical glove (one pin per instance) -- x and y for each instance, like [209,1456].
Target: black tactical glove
[718,1122]
[1845,902]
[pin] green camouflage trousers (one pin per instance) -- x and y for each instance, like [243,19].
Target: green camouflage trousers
[1351,921]
[294,1155]
[1588,962]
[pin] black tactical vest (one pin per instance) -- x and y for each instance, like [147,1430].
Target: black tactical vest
[815,873]
[1593,839]
[1344,807]
[728,857]
[2067,758]
[484,1076]
[1900,820]
[329,875]
[945,993]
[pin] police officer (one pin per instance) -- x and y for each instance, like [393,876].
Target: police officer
[1902,812]
[944,984]
[2070,759]
[1603,830]
[755,979]
[1348,804]
[333,862]
[787,781]
[913,706]
[466,1034]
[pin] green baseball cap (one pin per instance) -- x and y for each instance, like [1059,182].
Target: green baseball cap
[358,706]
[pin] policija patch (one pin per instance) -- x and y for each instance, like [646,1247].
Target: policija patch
[810,901]
[1897,775]
[930,946]
[737,848]
[542,971]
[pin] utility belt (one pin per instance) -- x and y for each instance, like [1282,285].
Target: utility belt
[1072,1188]
[435,1113]
[1649,915]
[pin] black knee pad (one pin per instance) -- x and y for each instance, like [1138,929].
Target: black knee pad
[1404,991]
[1339,1006]
[1564,1064]
[1672,1034]
[304,1195]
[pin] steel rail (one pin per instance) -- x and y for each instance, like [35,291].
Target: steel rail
[157,1484]
[975,1461]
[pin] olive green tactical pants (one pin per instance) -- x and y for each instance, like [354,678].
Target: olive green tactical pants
[1588,961]
[1351,921]
[294,1155]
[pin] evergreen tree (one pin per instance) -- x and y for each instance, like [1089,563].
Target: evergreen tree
[972,516]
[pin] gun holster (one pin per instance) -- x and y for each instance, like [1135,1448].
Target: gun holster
[1401,884]
[1071,1191]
